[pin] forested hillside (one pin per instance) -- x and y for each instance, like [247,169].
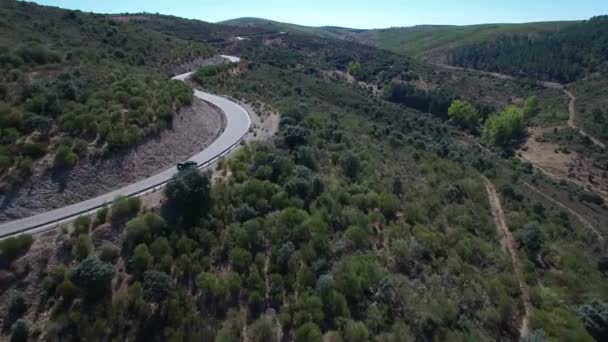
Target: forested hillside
[564,56]
[75,84]
[379,212]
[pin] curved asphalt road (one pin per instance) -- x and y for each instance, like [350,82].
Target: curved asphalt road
[237,125]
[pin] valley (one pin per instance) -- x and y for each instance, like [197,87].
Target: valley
[357,184]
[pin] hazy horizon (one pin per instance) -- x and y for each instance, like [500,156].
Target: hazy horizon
[354,14]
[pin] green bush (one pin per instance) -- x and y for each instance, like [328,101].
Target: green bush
[156,286]
[83,247]
[13,247]
[93,277]
[81,225]
[34,150]
[124,207]
[64,157]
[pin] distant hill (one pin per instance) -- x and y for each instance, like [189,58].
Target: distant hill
[432,41]
[564,56]
[425,41]
[275,26]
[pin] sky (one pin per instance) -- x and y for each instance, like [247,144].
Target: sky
[354,13]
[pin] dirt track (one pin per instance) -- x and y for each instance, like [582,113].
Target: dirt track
[508,243]
[571,97]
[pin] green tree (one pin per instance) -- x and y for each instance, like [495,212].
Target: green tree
[355,332]
[240,259]
[141,259]
[93,276]
[465,114]
[156,286]
[188,197]
[295,136]
[309,332]
[500,129]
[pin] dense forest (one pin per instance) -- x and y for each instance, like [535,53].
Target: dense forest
[564,56]
[74,85]
[363,219]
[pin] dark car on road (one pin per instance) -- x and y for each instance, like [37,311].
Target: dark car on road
[186,165]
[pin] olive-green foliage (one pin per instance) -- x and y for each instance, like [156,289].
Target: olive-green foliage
[13,247]
[83,247]
[83,76]
[93,277]
[125,207]
[188,197]
[156,286]
[531,107]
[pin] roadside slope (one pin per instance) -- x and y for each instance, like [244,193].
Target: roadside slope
[237,125]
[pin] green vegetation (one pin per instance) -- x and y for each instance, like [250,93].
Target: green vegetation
[363,219]
[86,79]
[433,41]
[13,247]
[563,56]
[464,114]
[500,129]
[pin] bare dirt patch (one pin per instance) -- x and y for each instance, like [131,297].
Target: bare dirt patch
[558,164]
[193,129]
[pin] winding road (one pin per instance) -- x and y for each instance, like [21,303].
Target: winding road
[238,123]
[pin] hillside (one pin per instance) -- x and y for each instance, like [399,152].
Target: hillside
[564,56]
[74,85]
[434,41]
[424,41]
[391,205]
[275,26]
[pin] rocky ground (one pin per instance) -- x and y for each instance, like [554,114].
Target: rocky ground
[193,129]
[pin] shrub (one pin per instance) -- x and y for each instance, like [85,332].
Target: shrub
[124,207]
[21,330]
[34,150]
[595,319]
[351,165]
[591,197]
[101,216]
[108,252]
[83,247]
[65,157]
[156,286]
[93,277]
[141,258]
[81,225]
[309,332]
[14,247]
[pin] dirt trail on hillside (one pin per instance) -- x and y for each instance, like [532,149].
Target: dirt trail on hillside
[508,243]
[580,217]
[553,85]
